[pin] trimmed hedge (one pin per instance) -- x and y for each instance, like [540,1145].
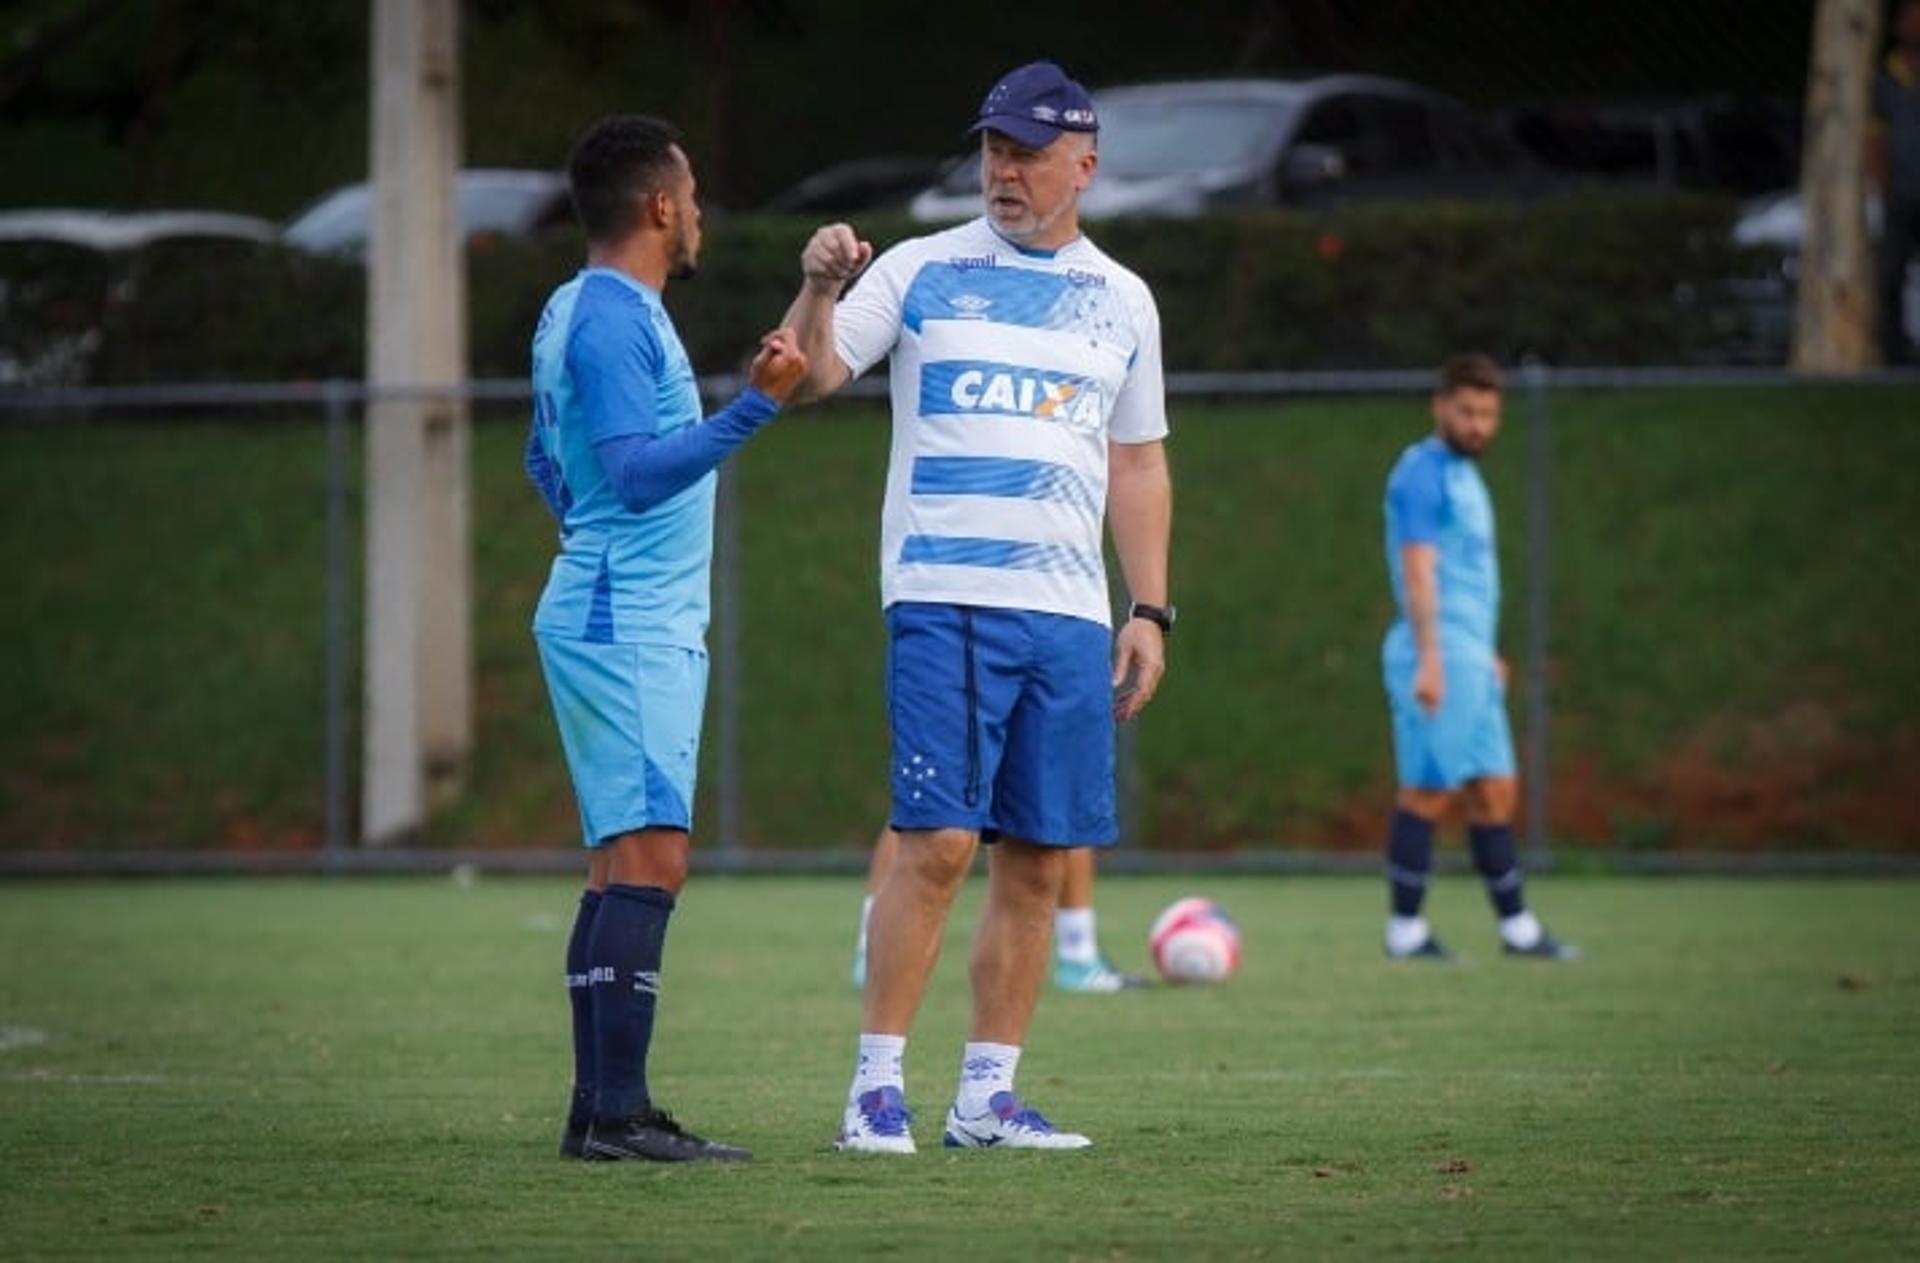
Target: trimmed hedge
[1601,279]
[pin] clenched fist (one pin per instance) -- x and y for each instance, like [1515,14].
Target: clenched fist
[779,366]
[833,256]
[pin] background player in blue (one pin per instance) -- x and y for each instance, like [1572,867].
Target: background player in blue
[621,455]
[1446,681]
[1028,407]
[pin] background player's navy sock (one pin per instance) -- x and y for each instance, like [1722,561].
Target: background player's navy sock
[1409,858]
[624,952]
[580,1000]
[1498,860]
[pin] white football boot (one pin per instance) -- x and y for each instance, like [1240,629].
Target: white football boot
[1007,1124]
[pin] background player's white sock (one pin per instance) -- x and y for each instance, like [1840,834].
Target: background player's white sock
[984,1070]
[1074,937]
[879,1065]
[1406,933]
[866,914]
[1520,931]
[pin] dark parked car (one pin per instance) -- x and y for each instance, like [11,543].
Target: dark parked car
[1738,146]
[864,184]
[1189,148]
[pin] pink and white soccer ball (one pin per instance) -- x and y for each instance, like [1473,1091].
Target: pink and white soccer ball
[1194,941]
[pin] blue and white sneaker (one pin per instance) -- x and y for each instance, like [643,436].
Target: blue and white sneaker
[1096,976]
[1007,1124]
[877,1121]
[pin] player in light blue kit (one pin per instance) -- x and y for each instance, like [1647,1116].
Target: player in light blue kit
[1446,681]
[621,455]
[1028,410]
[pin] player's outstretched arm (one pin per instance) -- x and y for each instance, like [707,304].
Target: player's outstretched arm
[646,469]
[833,256]
[1140,516]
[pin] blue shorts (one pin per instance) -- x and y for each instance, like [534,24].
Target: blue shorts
[629,718]
[1467,738]
[1002,723]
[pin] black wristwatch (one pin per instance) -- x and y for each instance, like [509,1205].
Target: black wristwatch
[1160,616]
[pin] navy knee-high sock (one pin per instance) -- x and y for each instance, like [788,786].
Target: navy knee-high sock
[1498,860]
[580,1000]
[624,954]
[1409,859]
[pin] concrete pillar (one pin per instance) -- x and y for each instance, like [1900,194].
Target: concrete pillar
[418,717]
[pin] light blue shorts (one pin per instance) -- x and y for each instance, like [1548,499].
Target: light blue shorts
[629,718]
[1002,723]
[1467,738]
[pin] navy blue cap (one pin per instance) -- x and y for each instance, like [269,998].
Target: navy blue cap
[1035,103]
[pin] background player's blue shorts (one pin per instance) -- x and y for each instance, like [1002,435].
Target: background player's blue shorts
[1002,723]
[629,718]
[1468,737]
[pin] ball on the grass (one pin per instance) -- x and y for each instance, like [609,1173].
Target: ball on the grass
[1194,941]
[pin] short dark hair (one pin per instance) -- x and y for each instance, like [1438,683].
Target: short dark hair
[620,160]
[1472,369]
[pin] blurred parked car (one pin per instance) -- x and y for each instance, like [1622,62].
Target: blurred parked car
[63,270]
[865,184]
[130,230]
[1188,148]
[1778,221]
[503,203]
[1740,146]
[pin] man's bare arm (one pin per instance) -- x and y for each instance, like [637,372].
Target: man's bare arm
[1140,515]
[1419,565]
[832,257]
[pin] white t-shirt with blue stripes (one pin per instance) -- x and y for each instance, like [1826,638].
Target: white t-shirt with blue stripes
[1012,371]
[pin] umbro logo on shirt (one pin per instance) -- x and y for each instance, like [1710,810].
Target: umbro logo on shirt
[971,304]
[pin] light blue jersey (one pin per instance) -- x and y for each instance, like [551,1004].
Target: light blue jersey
[1436,496]
[607,364]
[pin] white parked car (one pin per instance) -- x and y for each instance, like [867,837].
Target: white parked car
[504,203]
[62,270]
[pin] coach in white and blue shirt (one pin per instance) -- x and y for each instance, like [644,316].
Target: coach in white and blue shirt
[1027,408]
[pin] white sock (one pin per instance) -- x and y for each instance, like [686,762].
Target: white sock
[879,1065]
[1406,933]
[984,1070]
[1074,938]
[866,913]
[1520,931]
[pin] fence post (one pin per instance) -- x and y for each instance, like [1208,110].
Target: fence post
[1539,503]
[336,633]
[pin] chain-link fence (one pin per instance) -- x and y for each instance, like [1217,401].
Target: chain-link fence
[1705,612]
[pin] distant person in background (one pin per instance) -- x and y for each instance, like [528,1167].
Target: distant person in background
[1446,682]
[619,452]
[1078,963]
[1894,161]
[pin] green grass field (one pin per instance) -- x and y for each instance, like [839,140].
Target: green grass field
[375,1069]
[1731,598]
